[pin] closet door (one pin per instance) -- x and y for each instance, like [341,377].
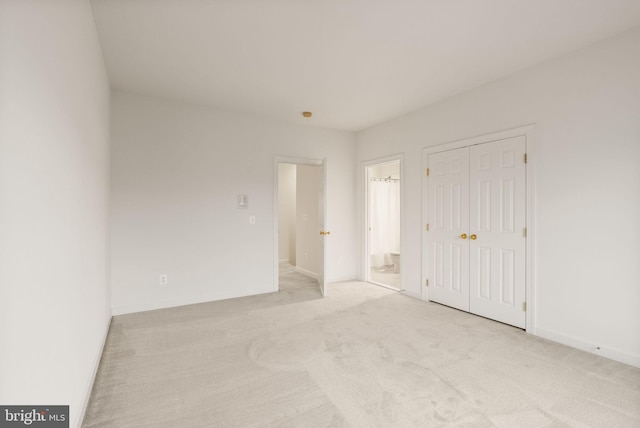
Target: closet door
[448,261]
[497,242]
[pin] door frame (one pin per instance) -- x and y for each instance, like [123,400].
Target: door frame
[366,269]
[297,161]
[528,131]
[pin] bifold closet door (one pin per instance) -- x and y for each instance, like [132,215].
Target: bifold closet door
[476,254]
[497,222]
[448,261]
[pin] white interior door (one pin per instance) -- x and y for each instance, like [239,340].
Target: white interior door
[324,234]
[497,236]
[476,252]
[448,262]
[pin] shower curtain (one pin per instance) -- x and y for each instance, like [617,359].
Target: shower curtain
[384,197]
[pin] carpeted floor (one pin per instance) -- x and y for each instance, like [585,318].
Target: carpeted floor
[363,356]
[289,279]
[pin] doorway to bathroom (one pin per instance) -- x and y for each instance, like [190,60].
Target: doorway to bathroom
[383,264]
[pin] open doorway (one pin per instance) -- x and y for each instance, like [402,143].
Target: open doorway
[384,238]
[300,212]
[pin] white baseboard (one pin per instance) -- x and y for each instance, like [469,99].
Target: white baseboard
[306,272]
[96,366]
[597,349]
[182,301]
[343,278]
[412,294]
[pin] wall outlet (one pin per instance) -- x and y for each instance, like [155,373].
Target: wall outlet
[164,279]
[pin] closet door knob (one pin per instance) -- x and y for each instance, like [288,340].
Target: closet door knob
[474,237]
[463,236]
[321,232]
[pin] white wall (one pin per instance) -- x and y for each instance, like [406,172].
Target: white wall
[586,110]
[176,171]
[308,243]
[54,134]
[385,170]
[287,212]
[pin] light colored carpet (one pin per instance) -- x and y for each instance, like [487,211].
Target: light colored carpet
[363,356]
[289,279]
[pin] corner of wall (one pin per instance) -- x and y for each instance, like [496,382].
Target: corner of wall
[96,367]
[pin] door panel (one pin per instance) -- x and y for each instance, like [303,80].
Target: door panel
[484,272]
[497,211]
[448,261]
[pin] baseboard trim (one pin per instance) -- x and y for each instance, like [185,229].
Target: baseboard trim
[584,345]
[412,294]
[96,366]
[164,304]
[343,278]
[306,272]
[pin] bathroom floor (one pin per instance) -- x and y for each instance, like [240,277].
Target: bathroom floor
[384,275]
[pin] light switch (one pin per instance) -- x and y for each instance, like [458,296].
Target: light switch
[252,219]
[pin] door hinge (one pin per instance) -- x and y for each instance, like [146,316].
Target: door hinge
[427,172]
[525,158]
[524,306]
[426,282]
[524,232]
[427,227]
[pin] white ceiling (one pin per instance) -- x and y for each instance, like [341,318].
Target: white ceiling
[354,63]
